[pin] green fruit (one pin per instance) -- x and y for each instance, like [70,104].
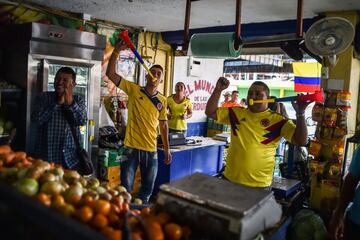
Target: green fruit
[138,201]
[1,130]
[58,171]
[93,183]
[51,188]
[27,186]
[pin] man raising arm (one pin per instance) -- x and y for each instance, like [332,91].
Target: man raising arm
[255,134]
[146,110]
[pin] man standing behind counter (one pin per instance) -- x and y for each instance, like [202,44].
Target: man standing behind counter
[146,110]
[255,134]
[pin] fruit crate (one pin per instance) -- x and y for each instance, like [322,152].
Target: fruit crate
[21,217]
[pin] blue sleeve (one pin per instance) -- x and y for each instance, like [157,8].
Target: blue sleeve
[354,168]
[43,109]
[78,110]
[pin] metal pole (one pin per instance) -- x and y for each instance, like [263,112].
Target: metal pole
[238,25]
[299,19]
[186,25]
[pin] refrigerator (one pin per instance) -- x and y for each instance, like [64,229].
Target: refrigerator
[30,55]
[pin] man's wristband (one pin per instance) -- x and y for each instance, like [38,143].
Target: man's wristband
[300,114]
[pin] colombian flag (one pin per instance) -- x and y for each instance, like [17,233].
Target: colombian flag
[307,76]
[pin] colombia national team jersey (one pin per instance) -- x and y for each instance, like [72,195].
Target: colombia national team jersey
[176,110]
[143,116]
[254,139]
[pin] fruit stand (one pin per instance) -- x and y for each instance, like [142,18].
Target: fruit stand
[24,218]
[41,200]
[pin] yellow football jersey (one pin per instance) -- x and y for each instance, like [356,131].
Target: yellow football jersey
[176,110]
[144,113]
[254,139]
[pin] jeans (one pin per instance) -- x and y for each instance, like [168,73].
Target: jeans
[148,168]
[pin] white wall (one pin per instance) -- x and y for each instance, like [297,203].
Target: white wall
[198,88]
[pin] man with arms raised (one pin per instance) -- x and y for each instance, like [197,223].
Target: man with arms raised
[146,110]
[255,134]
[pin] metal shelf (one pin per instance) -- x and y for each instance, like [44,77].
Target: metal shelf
[10,90]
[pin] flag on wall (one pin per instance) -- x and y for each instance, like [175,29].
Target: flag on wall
[307,76]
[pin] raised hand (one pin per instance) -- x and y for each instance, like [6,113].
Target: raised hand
[69,92]
[120,46]
[222,83]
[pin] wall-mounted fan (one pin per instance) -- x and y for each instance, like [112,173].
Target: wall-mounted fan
[329,37]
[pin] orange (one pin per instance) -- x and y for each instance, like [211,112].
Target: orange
[114,209]
[4,149]
[85,214]
[43,198]
[116,235]
[67,209]
[19,155]
[154,229]
[9,157]
[87,200]
[99,221]
[145,211]
[111,234]
[124,208]
[173,231]
[107,231]
[118,201]
[102,206]
[113,219]
[136,236]
[136,211]
[57,201]
[163,218]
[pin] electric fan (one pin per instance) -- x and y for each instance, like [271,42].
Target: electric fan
[329,37]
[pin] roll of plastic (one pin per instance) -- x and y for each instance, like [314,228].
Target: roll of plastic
[216,45]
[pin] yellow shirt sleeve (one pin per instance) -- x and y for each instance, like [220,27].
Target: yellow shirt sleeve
[127,86]
[222,115]
[288,130]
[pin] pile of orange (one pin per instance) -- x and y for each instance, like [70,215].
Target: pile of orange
[105,212]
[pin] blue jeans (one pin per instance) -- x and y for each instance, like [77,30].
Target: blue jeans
[148,169]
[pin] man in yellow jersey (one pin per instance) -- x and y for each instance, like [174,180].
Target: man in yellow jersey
[255,134]
[146,110]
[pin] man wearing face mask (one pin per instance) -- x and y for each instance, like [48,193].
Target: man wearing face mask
[54,141]
[255,134]
[146,111]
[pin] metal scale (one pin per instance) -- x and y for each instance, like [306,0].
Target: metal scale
[219,209]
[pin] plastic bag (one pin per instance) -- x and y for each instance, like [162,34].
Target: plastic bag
[105,119]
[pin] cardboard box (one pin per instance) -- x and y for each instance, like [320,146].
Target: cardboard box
[110,157]
[110,174]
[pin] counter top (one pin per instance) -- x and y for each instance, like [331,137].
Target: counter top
[204,142]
